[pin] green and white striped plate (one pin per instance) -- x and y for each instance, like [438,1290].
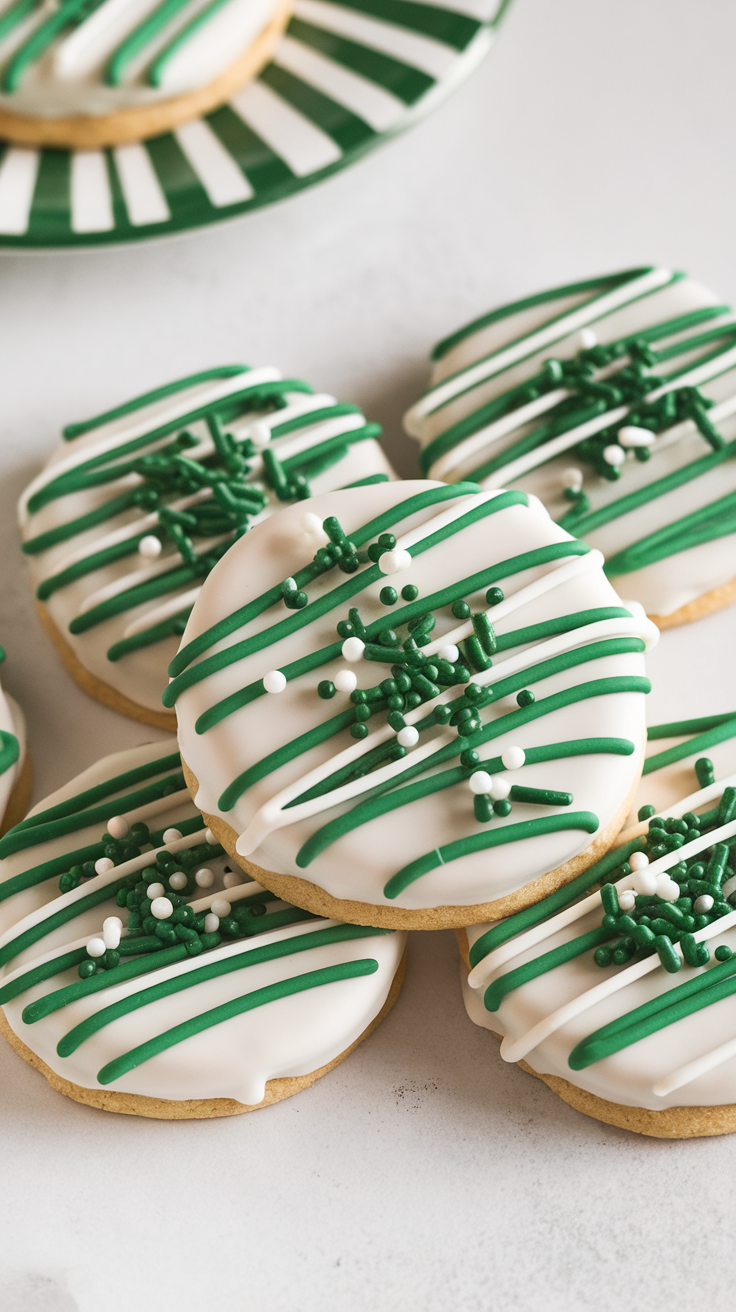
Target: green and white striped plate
[347,75]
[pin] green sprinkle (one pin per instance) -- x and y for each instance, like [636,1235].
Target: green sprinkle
[460,610]
[539,796]
[670,959]
[502,807]
[705,771]
[645,812]
[410,592]
[723,952]
[389,596]
[525,697]
[326,689]
[359,730]
[494,596]
[483,807]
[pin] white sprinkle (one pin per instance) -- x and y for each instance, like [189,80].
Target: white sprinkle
[627,899]
[312,525]
[178,880]
[171,835]
[231,880]
[630,436]
[352,649]
[150,546]
[667,888]
[480,782]
[614,455]
[702,904]
[204,878]
[118,827]
[572,478]
[259,434]
[103,864]
[274,681]
[346,681]
[220,907]
[162,908]
[155,890]
[111,929]
[500,788]
[210,838]
[211,923]
[393,562]
[449,653]
[587,338]
[96,947]
[408,736]
[638,860]
[513,757]
[645,882]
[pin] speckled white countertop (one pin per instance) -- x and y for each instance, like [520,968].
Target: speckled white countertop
[423,1174]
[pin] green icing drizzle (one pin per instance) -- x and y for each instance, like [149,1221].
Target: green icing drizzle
[251,956]
[720,728]
[441,856]
[140,37]
[248,1002]
[513,979]
[158,394]
[9,750]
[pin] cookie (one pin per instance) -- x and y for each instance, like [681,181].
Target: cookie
[16,777]
[87,76]
[623,999]
[137,504]
[614,401]
[141,971]
[435,717]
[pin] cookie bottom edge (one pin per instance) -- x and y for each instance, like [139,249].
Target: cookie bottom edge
[97,688]
[188,1109]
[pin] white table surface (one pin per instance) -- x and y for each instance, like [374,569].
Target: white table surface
[423,1174]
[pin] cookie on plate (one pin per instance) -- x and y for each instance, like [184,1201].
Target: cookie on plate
[614,401]
[136,505]
[141,971]
[15,764]
[90,75]
[435,717]
[623,999]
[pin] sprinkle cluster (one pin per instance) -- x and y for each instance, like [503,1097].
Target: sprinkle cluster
[657,912]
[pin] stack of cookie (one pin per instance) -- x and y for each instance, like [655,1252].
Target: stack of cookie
[401,705]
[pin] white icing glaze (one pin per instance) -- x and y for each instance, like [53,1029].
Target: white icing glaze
[485,364]
[70,77]
[358,865]
[292,1036]
[689,1063]
[140,675]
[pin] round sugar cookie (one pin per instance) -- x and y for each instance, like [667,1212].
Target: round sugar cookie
[623,999]
[16,777]
[136,505]
[143,972]
[438,713]
[87,76]
[614,401]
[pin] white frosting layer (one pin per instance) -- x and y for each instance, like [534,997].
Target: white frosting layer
[11,721]
[292,1036]
[487,363]
[141,675]
[686,1063]
[358,865]
[69,78]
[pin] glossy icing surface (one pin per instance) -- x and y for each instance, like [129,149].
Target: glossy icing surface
[293,774]
[181,471]
[645,356]
[688,1061]
[12,747]
[299,1024]
[94,59]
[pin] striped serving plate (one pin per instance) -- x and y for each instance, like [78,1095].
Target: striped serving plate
[347,75]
